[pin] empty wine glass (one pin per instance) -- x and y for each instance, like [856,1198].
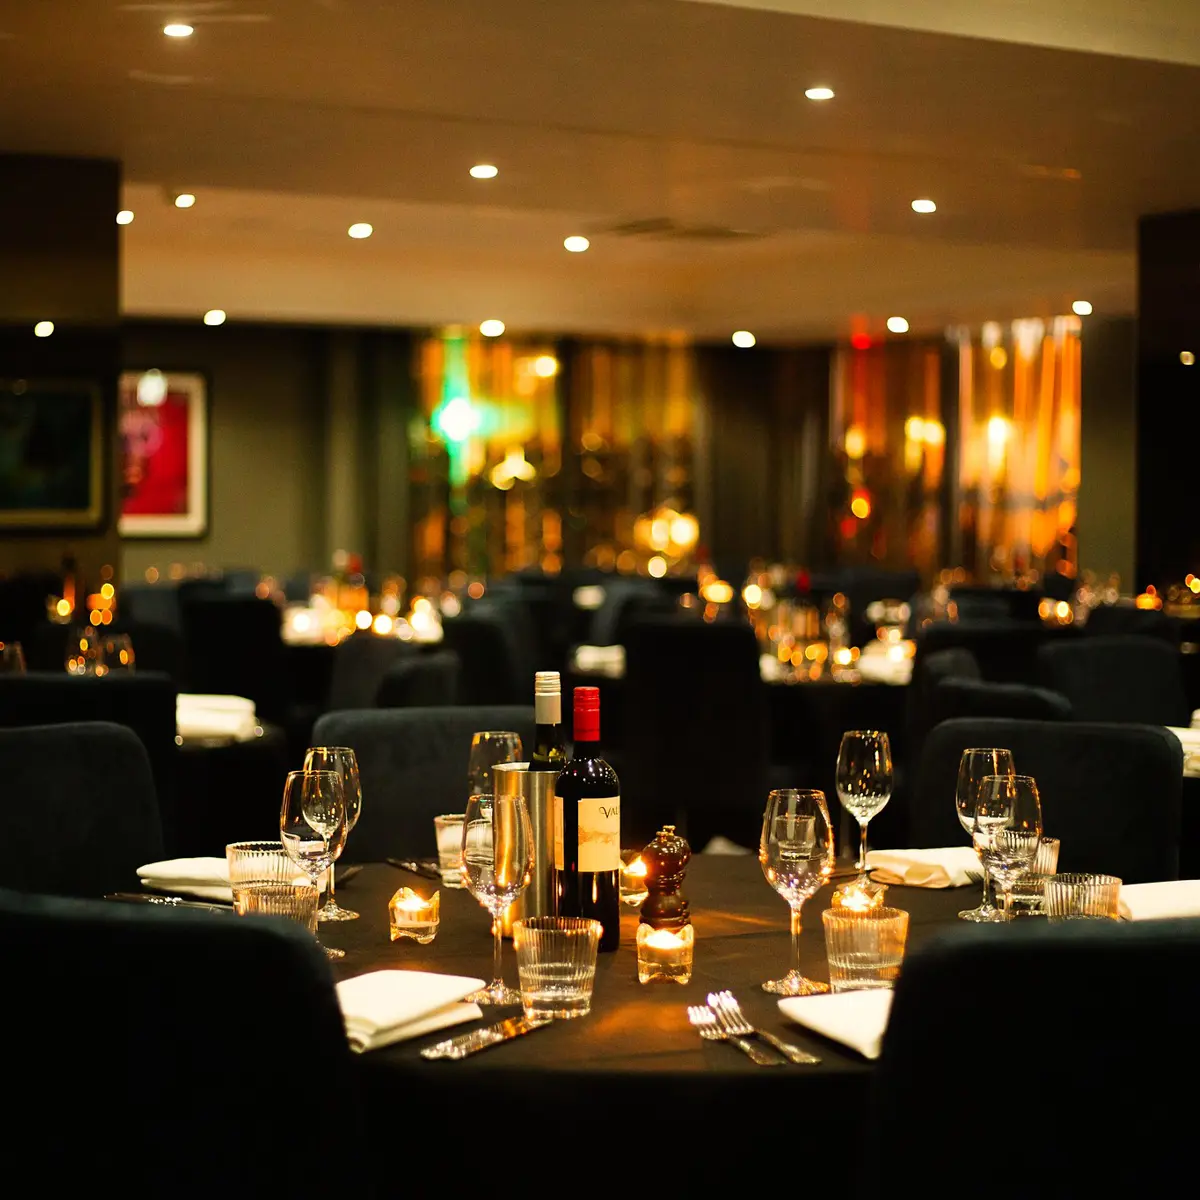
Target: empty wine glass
[342,760]
[489,748]
[796,855]
[117,652]
[1008,829]
[864,781]
[497,864]
[312,824]
[12,659]
[975,765]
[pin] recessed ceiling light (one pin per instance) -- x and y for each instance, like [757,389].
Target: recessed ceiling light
[484,171]
[743,339]
[576,243]
[184,200]
[125,217]
[361,229]
[1187,358]
[924,206]
[214,316]
[43,329]
[178,29]
[819,93]
[897,325]
[492,328]
[1082,308]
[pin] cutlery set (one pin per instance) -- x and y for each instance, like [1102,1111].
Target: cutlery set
[722,1020]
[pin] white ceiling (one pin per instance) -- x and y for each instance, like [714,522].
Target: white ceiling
[290,119]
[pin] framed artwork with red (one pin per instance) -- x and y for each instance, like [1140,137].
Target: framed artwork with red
[164,454]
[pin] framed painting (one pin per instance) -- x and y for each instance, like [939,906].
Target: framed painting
[164,454]
[51,454]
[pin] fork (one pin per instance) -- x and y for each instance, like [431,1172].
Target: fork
[733,1021]
[705,1021]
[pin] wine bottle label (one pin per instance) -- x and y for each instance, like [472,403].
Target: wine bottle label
[600,834]
[547,710]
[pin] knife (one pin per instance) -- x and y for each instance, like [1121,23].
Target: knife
[482,1039]
[168,901]
[425,867]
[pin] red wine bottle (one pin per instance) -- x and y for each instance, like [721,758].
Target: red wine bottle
[587,827]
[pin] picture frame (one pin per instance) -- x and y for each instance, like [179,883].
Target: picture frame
[52,460]
[163,428]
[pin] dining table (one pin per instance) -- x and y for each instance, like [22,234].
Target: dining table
[629,1091]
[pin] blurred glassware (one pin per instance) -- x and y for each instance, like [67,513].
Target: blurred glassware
[1008,829]
[12,659]
[117,652]
[1029,891]
[312,824]
[1075,897]
[342,760]
[488,748]
[975,765]
[447,829]
[796,856]
[85,652]
[864,781]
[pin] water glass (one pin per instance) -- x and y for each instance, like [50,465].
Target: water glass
[556,964]
[267,883]
[864,948]
[1078,897]
[1028,891]
[12,659]
[448,830]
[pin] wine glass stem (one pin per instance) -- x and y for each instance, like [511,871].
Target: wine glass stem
[796,940]
[1007,901]
[986,902]
[497,945]
[330,902]
[861,865]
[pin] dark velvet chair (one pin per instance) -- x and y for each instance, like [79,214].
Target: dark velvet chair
[81,813]
[154,603]
[979,603]
[495,669]
[1130,678]
[234,647]
[165,1053]
[428,680]
[695,742]
[975,698]
[1100,1015]
[144,701]
[413,764]
[1111,793]
[359,666]
[1006,651]
[930,669]
[1117,620]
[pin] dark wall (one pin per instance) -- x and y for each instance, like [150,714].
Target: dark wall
[1168,397]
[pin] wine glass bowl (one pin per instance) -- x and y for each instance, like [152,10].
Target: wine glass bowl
[796,855]
[1008,830]
[489,748]
[864,782]
[976,764]
[342,760]
[312,824]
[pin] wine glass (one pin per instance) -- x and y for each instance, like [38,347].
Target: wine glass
[975,765]
[12,659]
[497,865]
[342,760]
[488,748]
[1008,829]
[796,856]
[117,650]
[864,782]
[312,824]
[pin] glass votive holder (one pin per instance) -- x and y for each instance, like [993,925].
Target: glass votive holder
[266,883]
[556,964]
[633,878]
[864,948]
[410,915]
[1028,891]
[665,954]
[1080,897]
[858,896]
[448,830]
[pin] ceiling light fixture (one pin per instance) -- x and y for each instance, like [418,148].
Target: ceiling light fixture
[743,339]
[576,243]
[360,230]
[183,200]
[897,325]
[178,29]
[491,328]
[43,329]
[214,316]
[1082,308]
[924,206]
[125,217]
[819,93]
[484,171]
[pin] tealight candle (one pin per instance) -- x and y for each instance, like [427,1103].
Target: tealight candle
[665,953]
[412,916]
[859,896]
[633,882]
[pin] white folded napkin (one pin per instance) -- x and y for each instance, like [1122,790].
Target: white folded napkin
[1190,740]
[601,660]
[205,716]
[1156,901]
[878,668]
[383,1007]
[856,1019]
[950,866]
[207,878]
[1196,719]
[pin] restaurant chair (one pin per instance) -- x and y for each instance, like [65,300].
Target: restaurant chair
[981,603]
[1039,1060]
[1111,793]
[425,680]
[495,669]
[157,603]
[359,666]
[1006,650]
[171,1053]
[695,741]
[1115,620]
[976,698]
[1128,678]
[930,668]
[81,814]
[413,766]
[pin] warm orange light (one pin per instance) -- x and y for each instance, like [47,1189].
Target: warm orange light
[636,868]
[382,624]
[63,608]
[362,619]
[860,506]
[858,896]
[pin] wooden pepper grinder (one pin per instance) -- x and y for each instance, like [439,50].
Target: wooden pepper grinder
[665,938]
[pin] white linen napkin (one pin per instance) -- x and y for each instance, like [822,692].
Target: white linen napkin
[879,668]
[856,1019]
[601,660]
[383,1007]
[1190,740]
[207,878]
[207,716]
[950,866]
[1156,901]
